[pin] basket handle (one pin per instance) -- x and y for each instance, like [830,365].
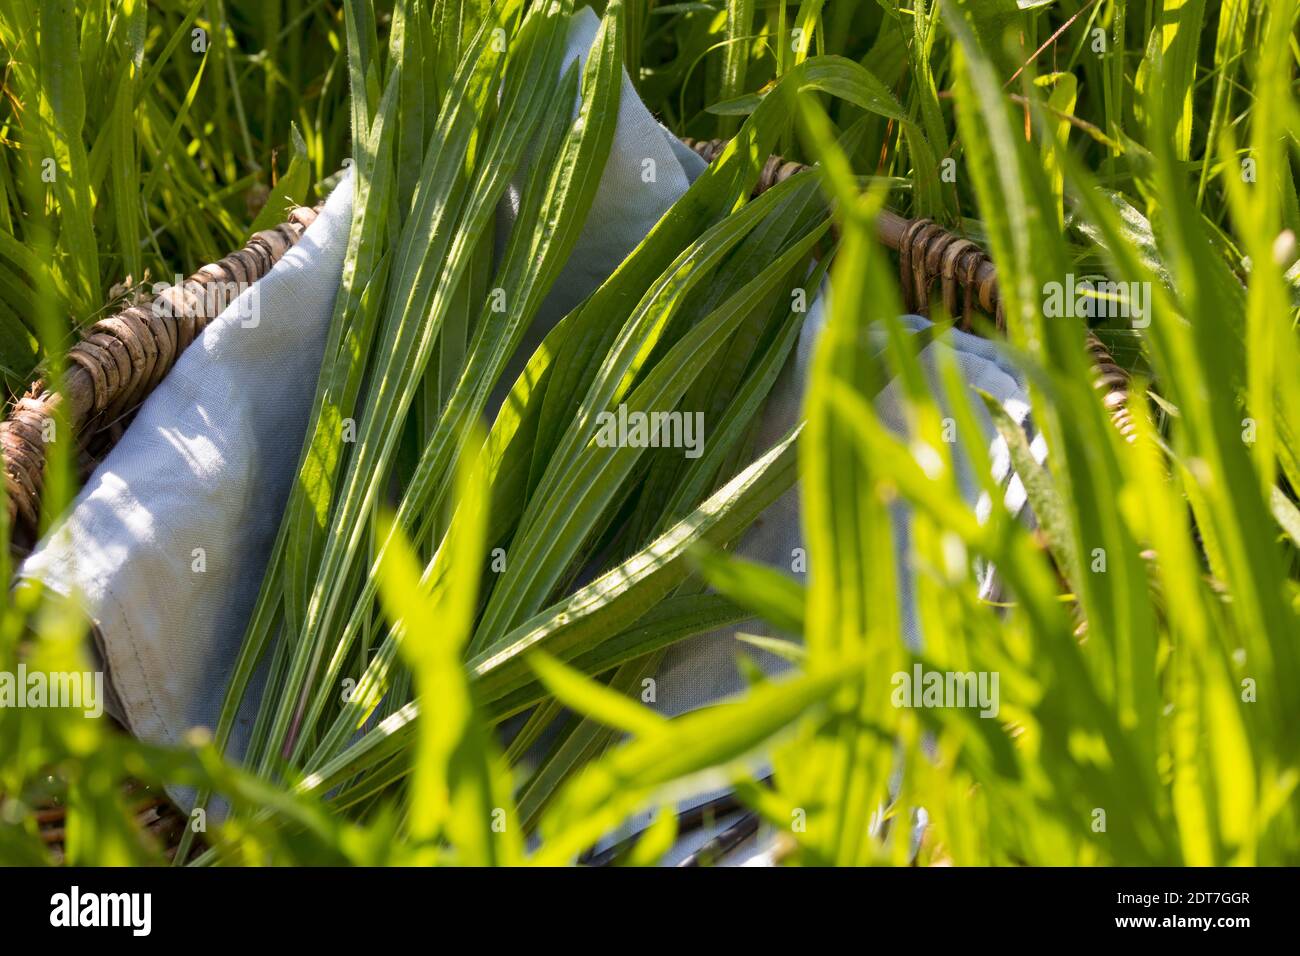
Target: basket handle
[119,361]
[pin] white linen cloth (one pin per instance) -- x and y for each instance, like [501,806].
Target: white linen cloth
[166,544]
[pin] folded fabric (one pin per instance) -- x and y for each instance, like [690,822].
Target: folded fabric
[703,670]
[166,544]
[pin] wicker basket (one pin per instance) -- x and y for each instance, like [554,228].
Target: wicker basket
[121,359]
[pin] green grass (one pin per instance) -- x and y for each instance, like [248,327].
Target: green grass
[1147,645]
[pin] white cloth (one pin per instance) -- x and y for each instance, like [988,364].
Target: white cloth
[167,542]
[703,669]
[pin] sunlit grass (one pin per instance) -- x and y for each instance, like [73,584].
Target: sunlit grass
[1146,646]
